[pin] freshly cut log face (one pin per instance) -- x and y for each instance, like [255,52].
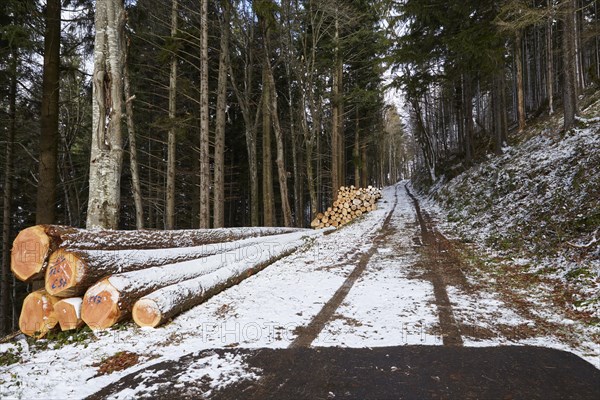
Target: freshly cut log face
[38,315]
[112,299]
[72,272]
[68,313]
[160,306]
[29,253]
[33,246]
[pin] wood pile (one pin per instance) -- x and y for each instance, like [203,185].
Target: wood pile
[350,203]
[97,277]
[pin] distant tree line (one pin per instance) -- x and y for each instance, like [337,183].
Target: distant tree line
[474,70]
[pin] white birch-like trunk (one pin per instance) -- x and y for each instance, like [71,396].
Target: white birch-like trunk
[107,102]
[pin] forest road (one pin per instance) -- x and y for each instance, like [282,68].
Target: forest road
[405,273]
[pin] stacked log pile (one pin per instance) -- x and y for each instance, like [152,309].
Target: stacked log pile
[350,203]
[96,278]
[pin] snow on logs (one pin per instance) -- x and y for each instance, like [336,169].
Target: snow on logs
[33,246]
[72,272]
[112,299]
[161,305]
[350,203]
[118,273]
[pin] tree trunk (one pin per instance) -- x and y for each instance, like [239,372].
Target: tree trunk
[32,246]
[172,135]
[158,307]
[219,177]
[569,84]
[519,79]
[268,196]
[107,152]
[46,191]
[71,272]
[111,300]
[356,151]
[133,163]
[337,139]
[5,317]
[550,59]
[274,116]
[204,128]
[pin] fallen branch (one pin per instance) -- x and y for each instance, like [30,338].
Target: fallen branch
[589,244]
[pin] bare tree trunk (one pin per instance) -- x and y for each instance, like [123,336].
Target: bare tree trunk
[5,310]
[268,197]
[274,116]
[204,128]
[219,177]
[569,84]
[357,158]
[172,135]
[133,163]
[519,79]
[550,64]
[46,191]
[337,140]
[107,151]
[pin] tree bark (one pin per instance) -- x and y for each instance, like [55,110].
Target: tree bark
[219,173]
[46,191]
[107,151]
[172,135]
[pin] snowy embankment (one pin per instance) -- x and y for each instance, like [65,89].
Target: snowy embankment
[264,310]
[537,207]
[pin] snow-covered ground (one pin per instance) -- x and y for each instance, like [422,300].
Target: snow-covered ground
[390,304]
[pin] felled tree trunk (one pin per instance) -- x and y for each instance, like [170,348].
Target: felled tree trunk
[68,313]
[112,299]
[33,246]
[72,272]
[160,306]
[38,315]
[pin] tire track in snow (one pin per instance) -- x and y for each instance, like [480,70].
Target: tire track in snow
[449,327]
[308,333]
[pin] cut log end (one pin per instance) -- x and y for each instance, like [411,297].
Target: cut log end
[29,253]
[100,308]
[62,274]
[146,313]
[68,313]
[38,315]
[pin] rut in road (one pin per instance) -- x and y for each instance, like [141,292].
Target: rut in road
[307,334]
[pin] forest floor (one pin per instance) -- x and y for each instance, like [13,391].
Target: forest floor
[385,307]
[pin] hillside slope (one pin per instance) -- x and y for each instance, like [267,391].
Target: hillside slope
[537,206]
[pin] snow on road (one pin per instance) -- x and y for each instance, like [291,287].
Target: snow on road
[391,303]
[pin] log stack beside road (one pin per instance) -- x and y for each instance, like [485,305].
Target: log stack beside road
[350,204]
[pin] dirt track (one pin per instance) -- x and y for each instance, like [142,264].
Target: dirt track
[448,371]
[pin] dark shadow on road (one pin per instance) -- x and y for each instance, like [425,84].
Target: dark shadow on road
[402,372]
